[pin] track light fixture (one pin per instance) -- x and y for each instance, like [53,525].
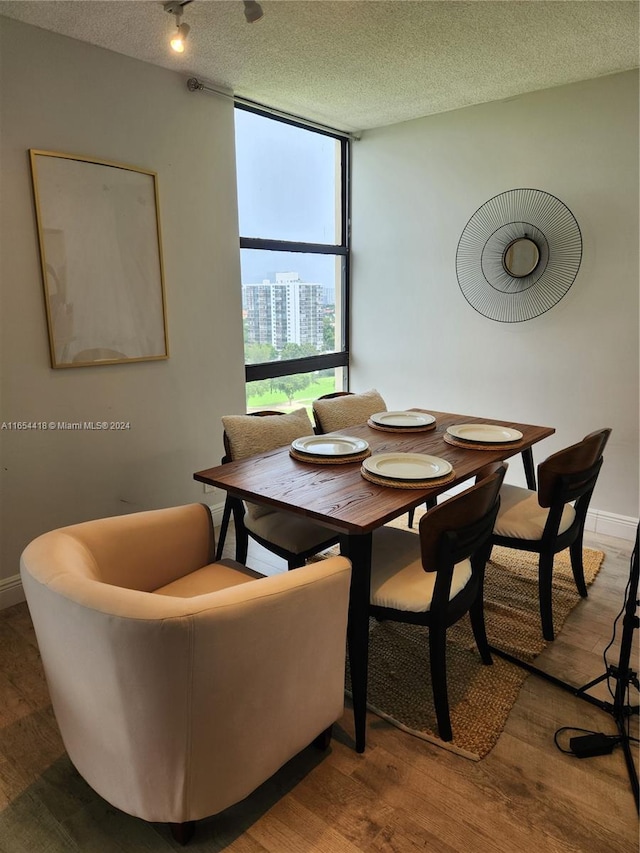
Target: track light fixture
[252,11]
[182,30]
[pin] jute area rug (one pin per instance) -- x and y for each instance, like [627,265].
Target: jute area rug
[480,697]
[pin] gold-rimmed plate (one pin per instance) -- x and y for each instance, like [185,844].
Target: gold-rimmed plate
[402,420]
[330,445]
[407,466]
[484,433]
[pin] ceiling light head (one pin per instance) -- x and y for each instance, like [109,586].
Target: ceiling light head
[252,11]
[179,38]
[182,30]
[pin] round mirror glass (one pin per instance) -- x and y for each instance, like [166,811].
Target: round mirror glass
[521,257]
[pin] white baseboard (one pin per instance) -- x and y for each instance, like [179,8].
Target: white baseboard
[10,591]
[610,524]
[598,521]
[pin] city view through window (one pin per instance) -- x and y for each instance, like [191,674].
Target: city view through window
[293,261]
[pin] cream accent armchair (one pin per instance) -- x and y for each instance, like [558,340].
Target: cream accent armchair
[180,685]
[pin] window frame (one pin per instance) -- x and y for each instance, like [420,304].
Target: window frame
[323,361]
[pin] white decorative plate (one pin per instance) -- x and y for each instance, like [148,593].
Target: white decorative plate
[407,466]
[402,419]
[484,433]
[329,445]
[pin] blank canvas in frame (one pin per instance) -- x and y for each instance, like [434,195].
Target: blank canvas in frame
[100,248]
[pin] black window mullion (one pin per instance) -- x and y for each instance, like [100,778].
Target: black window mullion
[345,204]
[273,369]
[289,246]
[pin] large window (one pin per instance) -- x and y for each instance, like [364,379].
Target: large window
[292,200]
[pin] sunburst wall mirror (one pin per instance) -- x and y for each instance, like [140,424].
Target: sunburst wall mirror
[518,255]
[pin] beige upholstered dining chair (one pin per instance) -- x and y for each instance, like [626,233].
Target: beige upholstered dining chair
[180,685]
[343,409]
[553,518]
[291,537]
[436,578]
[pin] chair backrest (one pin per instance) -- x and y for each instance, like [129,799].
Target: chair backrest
[259,432]
[490,468]
[572,472]
[317,426]
[335,394]
[344,409]
[225,438]
[458,527]
[139,551]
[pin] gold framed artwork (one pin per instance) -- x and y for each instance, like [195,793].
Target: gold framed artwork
[101,256]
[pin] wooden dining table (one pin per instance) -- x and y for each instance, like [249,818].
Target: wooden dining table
[338,497]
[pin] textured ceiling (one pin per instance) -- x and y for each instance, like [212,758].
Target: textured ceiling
[357,65]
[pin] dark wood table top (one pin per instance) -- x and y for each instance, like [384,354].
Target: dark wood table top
[338,496]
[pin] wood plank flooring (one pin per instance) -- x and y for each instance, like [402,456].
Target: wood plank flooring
[401,795]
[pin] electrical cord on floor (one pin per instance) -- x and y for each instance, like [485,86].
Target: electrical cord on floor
[588,744]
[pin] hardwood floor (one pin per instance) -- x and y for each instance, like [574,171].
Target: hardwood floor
[401,795]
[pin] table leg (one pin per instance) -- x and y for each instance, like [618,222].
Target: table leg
[529,470]
[358,549]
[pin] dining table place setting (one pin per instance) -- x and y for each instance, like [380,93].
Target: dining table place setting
[329,449]
[401,422]
[407,470]
[404,470]
[482,436]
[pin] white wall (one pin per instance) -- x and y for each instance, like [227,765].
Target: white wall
[62,95]
[414,336]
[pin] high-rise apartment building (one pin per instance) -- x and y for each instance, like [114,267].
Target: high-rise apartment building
[285,311]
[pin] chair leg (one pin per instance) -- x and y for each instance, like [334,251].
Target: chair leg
[182,832]
[438,660]
[242,537]
[476,614]
[577,566]
[545,577]
[226,516]
[324,739]
[428,504]
[476,611]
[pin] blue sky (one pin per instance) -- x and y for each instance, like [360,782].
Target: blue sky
[286,191]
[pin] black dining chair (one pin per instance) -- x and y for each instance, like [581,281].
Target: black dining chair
[436,578]
[553,518]
[227,512]
[289,536]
